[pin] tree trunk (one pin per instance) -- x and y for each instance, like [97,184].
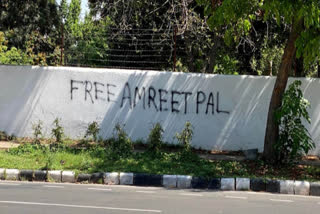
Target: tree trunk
[299,71]
[272,129]
[213,54]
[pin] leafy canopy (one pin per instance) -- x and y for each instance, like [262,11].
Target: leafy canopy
[236,18]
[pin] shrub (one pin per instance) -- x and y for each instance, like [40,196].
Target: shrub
[58,131]
[185,137]
[93,131]
[155,138]
[294,138]
[37,132]
[121,145]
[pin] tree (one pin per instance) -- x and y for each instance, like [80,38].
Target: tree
[143,32]
[35,22]
[303,40]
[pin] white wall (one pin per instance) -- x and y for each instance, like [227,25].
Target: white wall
[238,121]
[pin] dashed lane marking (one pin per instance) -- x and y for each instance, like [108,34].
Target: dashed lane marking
[50,186]
[236,197]
[79,206]
[147,192]
[100,189]
[191,194]
[280,200]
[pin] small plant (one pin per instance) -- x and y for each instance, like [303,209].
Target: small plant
[58,131]
[155,138]
[121,145]
[37,132]
[185,137]
[93,131]
[294,138]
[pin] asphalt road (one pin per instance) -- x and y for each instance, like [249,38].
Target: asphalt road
[51,198]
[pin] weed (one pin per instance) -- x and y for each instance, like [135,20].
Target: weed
[93,131]
[37,132]
[185,137]
[155,139]
[58,131]
[121,145]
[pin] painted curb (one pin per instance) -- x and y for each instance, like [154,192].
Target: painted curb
[97,178]
[167,181]
[228,184]
[273,186]
[2,173]
[112,178]
[301,188]
[68,177]
[26,175]
[126,178]
[199,183]
[315,189]
[142,179]
[215,184]
[184,181]
[40,175]
[12,174]
[258,185]
[83,178]
[287,187]
[54,175]
[242,184]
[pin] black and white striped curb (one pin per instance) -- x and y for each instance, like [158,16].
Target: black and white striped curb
[167,181]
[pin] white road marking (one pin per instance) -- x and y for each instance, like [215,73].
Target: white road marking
[148,192]
[48,186]
[236,197]
[191,194]
[100,189]
[280,200]
[10,184]
[79,206]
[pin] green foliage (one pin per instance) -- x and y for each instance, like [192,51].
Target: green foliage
[58,131]
[121,146]
[185,137]
[226,65]
[294,139]
[93,131]
[270,58]
[37,131]
[155,139]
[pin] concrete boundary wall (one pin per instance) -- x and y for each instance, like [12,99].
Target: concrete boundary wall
[227,112]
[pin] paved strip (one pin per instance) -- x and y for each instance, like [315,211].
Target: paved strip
[100,189]
[280,200]
[236,197]
[48,186]
[79,206]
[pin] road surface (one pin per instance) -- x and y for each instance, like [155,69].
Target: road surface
[52,198]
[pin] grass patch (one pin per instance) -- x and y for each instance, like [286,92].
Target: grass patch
[99,159]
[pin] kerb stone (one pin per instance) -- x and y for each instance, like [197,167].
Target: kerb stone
[12,174]
[169,181]
[184,181]
[68,176]
[112,178]
[301,188]
[287,187]
[54,175]
[242,184]
[126,178]
[227,184]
